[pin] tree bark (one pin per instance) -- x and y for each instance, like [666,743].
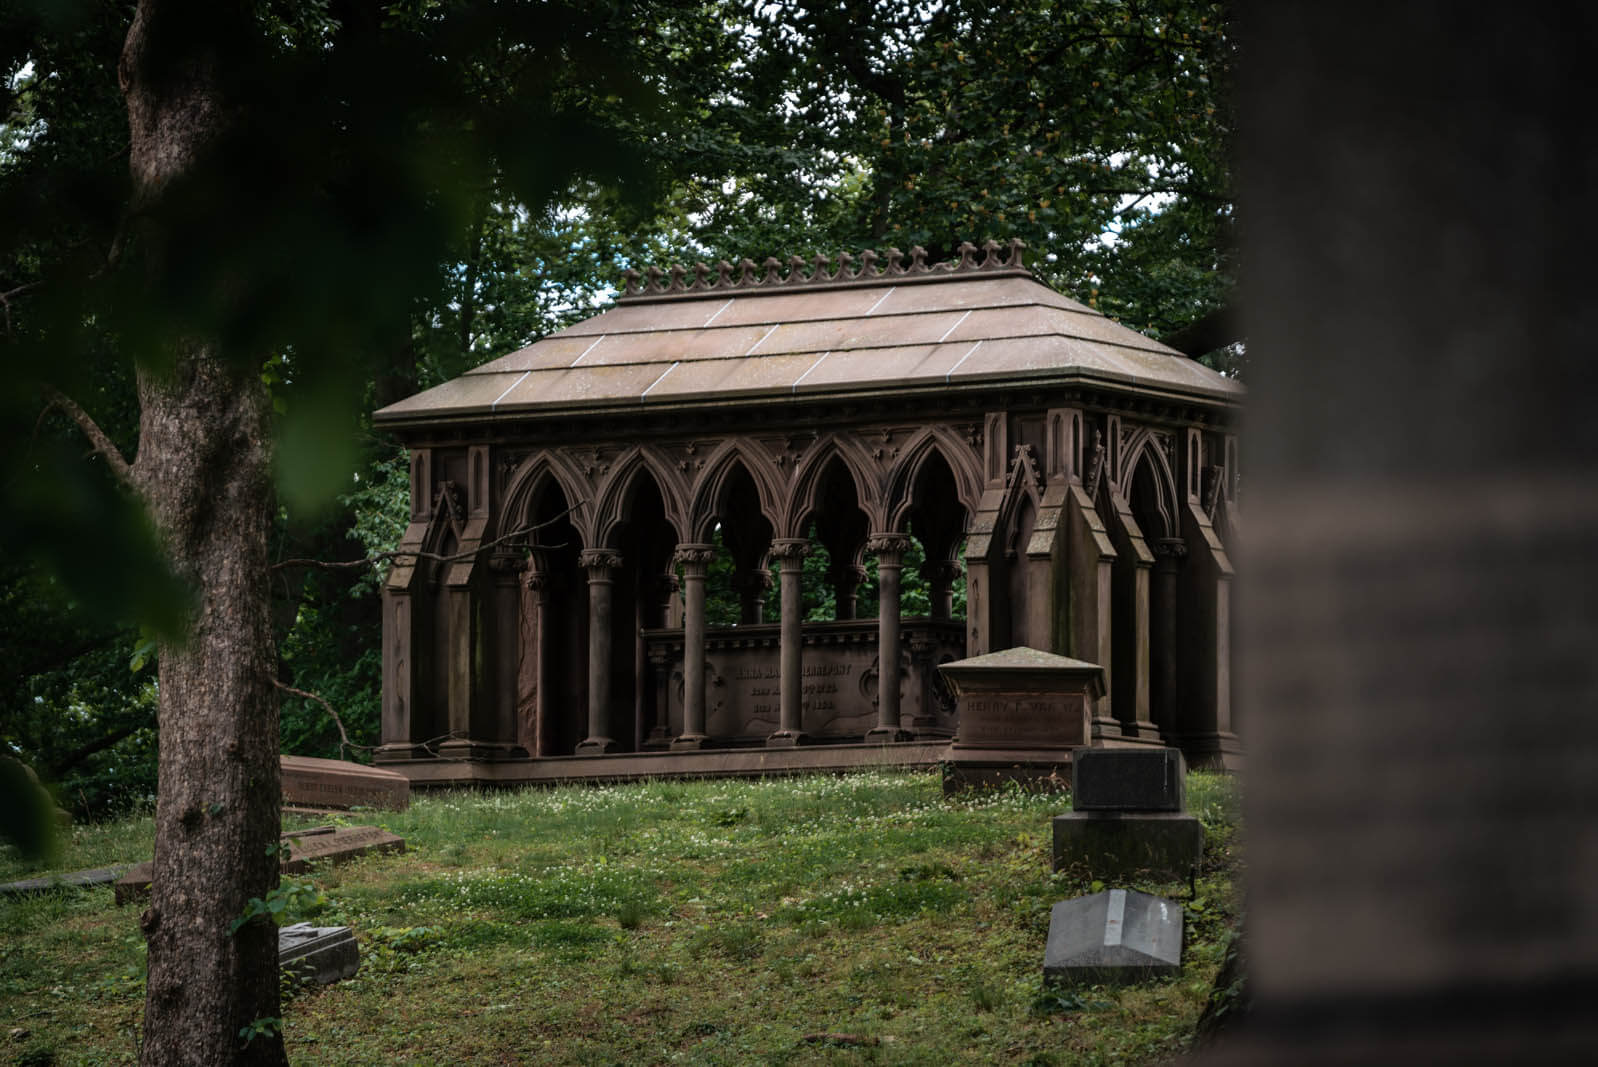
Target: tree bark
[204,470]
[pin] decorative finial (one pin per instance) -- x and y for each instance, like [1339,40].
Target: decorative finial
[819,270]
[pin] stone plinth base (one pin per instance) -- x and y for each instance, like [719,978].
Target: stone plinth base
[977,768]
[1123,845]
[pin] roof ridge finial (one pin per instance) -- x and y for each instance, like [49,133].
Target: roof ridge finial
[820,269]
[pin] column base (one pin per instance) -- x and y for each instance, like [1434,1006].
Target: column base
[595,746]
[878,735]
[1143,730]
[399,752]
[1102,727]
[1215,751]
[787,739]
[458,749]
[689,741]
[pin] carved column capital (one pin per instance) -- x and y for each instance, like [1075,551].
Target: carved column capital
[1170,548]
[940,571]
[538,581]
[790,549]
[503,562]
[598,560]
[694,558]
[885,545]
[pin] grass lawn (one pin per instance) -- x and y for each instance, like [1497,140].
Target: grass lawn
[861,918]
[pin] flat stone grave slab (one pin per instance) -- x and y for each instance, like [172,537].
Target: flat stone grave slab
[320,954]
[1128,779]
[74,880]
[338,784]
[330,844]
[1114,937]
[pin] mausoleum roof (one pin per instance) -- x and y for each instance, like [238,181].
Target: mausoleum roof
[731,334]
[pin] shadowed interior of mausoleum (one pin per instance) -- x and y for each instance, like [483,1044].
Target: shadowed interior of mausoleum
[615,528]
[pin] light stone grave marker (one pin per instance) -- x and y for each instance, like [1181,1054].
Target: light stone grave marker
[320,954]
[1117,936]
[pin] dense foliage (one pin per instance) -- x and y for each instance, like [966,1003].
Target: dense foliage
[1098,132]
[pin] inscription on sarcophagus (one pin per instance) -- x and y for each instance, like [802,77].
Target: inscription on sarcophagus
[840,672]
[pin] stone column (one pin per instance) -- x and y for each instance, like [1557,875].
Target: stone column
[752,586]
[791,553]
[1168,555]
[600,563]
[660,663]
[535,672]
[923,667]
[889,548]
[940,576]
[846,579]
[695,560]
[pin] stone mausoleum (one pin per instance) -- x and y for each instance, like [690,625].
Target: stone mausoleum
[1075,479]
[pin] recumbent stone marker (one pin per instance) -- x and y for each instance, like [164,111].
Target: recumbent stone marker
[1117,936]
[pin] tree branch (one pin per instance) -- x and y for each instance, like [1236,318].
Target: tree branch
[5,300]
[83,752]
[390,557]
[430,745]
[344,738]
[55,398]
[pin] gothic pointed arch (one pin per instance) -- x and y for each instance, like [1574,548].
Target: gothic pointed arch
[811,468]
[722,466]
[1023,489]
[447,527]
[529,479]
[961,459]
[616,493]
[1147,476]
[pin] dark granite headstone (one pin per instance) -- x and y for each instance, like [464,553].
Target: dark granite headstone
[320,954]
[1117,936]
[1128,844]
[1128,779]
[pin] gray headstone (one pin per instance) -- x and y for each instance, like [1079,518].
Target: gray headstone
[1128,779]
[1117,936]
[320,954]
[75,880]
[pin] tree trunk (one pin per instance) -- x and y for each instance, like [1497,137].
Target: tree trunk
[204,469]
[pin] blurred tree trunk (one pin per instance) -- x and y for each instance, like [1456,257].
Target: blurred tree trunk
[204,470]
